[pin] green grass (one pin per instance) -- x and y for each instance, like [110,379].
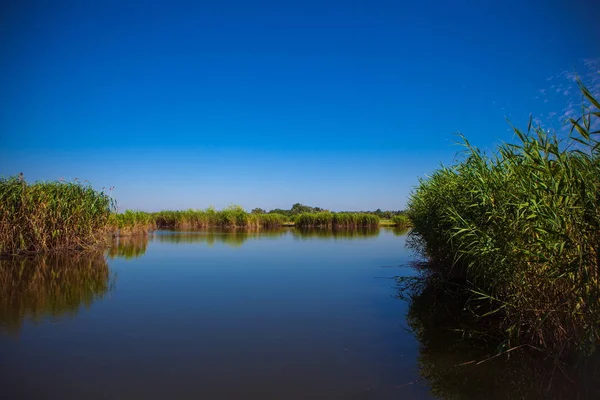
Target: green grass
[131,222]
[401,221]
[230,217]
[58,216]
[520,230]
[335,220]
[272,220]
[48,216]
[184,219]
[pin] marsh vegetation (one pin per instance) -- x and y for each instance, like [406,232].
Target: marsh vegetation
[336,220]
[518,232]
[230,217]
[65,216]
[51,216]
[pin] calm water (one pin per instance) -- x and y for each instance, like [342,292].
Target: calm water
[215,315]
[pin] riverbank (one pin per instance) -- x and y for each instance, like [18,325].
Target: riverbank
[71,216]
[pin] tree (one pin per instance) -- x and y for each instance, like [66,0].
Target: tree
[301,208]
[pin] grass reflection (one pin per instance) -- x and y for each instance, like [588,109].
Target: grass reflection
[128,247]
[232,237]
[457,361]
[236,237]
[400,230]
[55,286]
[336,233]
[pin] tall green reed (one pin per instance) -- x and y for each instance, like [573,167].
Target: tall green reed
[47,216]
[336,220]
[230,217]
[401,221]
[131,222]
[520,230]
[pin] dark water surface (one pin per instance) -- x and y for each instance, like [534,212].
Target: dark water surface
[246,315]
[213,315]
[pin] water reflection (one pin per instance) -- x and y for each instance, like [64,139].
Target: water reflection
[128,247]
[278,318]
[336,233]
[135,246]
[400,230]
[452,353]
[54,286]
[234,237]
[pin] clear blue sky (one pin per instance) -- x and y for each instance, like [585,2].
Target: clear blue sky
[341,105]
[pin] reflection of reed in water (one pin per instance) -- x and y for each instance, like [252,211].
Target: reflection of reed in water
[128,247]
[336,233]
[233,237]
[50,286]
[400,230]
[458,362]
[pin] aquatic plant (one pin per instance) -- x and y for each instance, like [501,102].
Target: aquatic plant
[46,216]
[330,219]
[184,219]
[272,220]
[520,230]
[131,222]
[231,217]
[235,216]
[401,221]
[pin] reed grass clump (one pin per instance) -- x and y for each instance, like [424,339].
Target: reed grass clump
[520,231]
[184,219]
[230,217]
[131,222]
[236,217]
[272,220]
[401,221]
[336,220]
[49,216]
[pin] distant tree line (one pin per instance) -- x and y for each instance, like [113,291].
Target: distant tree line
[302,209]
[389,214]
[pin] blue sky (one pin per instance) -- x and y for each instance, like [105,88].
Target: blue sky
[342,105]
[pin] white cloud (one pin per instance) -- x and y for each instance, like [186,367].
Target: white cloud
[565,90]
